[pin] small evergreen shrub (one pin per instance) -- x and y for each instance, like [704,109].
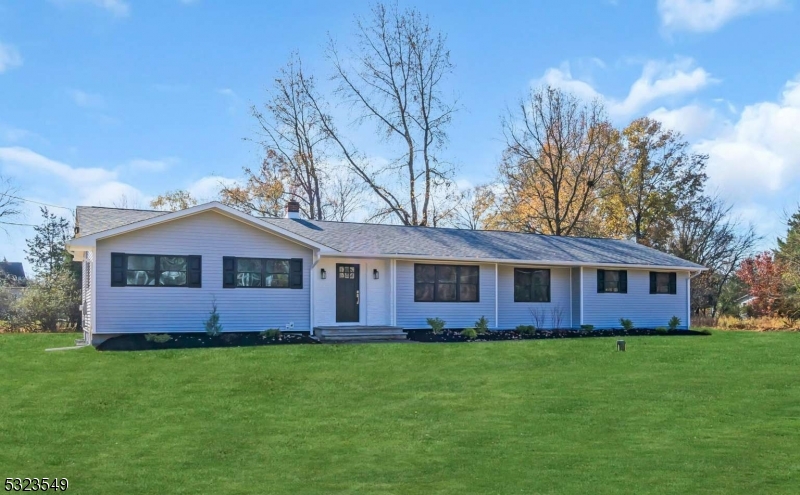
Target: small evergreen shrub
[437,324]
[661,330]
[469,333]
[526,329]
[482,325]
[587,328]
[271,333]
[158,338]
[212,325]
[674,323]
[626,323]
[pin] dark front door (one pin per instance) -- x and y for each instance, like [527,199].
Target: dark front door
[347,294]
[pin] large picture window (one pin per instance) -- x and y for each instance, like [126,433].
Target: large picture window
[446,283]
[531,285]
[663,283]
[612,281]
[269,273]
[154,270]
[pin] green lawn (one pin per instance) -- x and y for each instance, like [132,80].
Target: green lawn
[718,414]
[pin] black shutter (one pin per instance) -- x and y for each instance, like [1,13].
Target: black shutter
[117,270]
[673,283]
[228,272]
[296,273]
[653,282]
[623,281]
[601,280]
[194,271]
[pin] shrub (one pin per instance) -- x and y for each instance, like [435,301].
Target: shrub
[158,338]
[626,323]
[212,325]
[587,328]
[661,330]
[436,324]
[271,333]
[674,323]
[48,304]
[482,325]
[469,333]
[526,329]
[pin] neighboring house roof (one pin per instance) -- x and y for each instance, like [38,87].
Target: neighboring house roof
[427,242]
[13,268]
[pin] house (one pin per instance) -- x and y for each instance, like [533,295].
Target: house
[12,276]
[155,271]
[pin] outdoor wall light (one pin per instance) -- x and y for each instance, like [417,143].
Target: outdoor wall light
[322,273]
[375,274]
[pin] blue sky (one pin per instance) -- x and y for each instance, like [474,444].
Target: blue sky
[104,98]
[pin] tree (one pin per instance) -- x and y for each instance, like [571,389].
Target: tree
[9,204]
[655,176]
[706,234]
[47,251]
[173,200]
[788,255]
[48,302]
[344,196]
[762,274]
[559,152]
[476,209]
[394,79]
[263,193]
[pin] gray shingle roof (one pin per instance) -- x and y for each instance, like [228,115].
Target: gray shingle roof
[13,268]
[379,239]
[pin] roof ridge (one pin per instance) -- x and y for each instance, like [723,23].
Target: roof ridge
[122,209]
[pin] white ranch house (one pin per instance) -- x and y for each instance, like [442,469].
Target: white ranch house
[158,272]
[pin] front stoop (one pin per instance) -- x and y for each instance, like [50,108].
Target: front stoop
[359,334]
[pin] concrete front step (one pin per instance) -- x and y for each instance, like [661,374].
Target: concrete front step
[359,334]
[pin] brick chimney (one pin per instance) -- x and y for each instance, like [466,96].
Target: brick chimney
[292,209]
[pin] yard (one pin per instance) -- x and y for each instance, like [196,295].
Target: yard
[718,414]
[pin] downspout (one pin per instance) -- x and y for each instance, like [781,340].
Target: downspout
[315,257]
[496,309]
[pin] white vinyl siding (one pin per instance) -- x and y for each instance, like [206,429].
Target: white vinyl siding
[374,308]
[412,314]
[604,310]
[513,313]
[575,274]
[183,309]
[86,291]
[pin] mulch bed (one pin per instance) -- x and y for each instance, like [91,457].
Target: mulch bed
[139,342]
[455,335]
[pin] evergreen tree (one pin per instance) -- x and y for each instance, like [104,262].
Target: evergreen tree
[47,250]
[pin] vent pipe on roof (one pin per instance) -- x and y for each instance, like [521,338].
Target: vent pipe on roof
[292,209]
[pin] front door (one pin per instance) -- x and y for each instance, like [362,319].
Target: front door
[347,293]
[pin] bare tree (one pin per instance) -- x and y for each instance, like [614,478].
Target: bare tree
[10,205]
[706,234]
[476,208]
[343,197]
[174,200]
[559,151]
[293,138]
[127,202]
[394,79]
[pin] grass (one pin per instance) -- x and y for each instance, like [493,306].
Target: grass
[718,414]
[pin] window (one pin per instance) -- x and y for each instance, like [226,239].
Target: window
[445,283]
[266,273]
[531,285]
[663,283]
[144,270]
[612,281]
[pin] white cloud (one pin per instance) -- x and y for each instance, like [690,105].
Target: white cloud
[143,165]
[707,15]
[117,8]
[659,80]
[207,188]
[9,57]
[692,121]
[26,160]
[84,99]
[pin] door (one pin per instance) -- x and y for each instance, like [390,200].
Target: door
[347,293]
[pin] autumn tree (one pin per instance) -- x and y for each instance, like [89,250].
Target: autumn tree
[393,79]
[173,201]
[558,156]
[788,255]
[655,176]
[476,208]
[762,274]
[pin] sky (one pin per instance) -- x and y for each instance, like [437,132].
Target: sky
[105,99]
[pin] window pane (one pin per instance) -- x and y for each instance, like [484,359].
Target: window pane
[522,293]
[248,279]
[662,283]
[141,277]
[276,280]
[136,262]
[172,263]
[248,265]
[612,276]
[446,274]
[424,274]
[540,293]
[276,266]
[423,292]
[468,292]
[446,292]
[468,275]
[172,278]
[541,277]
